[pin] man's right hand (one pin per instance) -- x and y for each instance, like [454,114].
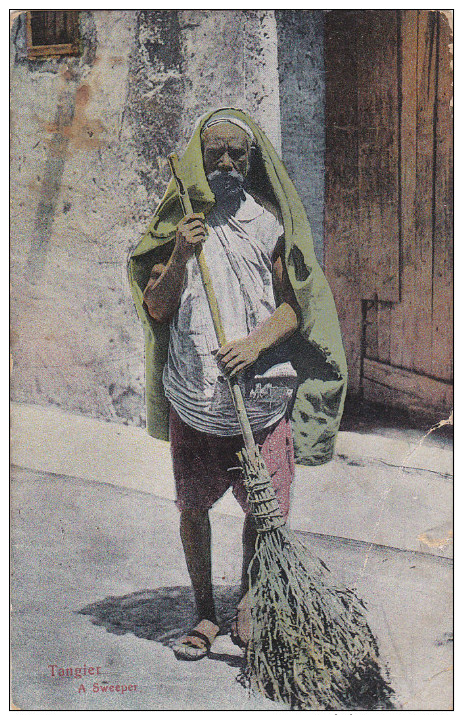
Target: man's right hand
[163,291]
[191,231]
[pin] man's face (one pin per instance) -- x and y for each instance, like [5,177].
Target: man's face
[226,147]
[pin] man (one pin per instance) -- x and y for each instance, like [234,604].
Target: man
[247,253]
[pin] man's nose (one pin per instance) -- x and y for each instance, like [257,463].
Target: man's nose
[225,163]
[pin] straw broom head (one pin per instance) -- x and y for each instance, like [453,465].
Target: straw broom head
[310,645]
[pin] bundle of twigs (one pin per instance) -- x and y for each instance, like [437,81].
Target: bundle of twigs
[310,645]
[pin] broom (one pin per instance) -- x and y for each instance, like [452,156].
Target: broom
[310,646]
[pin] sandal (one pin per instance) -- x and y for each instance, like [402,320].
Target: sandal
[184,650]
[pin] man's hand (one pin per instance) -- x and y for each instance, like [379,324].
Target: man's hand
[191,231]
[164,288]
[238,355]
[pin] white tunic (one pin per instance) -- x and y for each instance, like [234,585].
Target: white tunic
[238,252]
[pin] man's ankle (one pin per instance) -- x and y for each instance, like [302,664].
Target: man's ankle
[207,615]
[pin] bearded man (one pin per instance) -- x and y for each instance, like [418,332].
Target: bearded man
[272,298]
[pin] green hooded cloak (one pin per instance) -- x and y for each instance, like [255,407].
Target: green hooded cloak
[316,349]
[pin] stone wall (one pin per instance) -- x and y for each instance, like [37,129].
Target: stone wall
[89,140]
[302,109]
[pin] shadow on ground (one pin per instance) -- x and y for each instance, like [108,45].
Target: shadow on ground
[166,613]
[160,615]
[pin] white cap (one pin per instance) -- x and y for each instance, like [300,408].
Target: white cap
[230,120]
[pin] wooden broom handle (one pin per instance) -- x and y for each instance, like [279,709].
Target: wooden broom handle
[203,268]
[235,389]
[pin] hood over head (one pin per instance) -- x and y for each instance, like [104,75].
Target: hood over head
[318,354]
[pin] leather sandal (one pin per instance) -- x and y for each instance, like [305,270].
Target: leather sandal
[184,650]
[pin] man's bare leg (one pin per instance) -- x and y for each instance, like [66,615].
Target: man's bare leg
[195,532]
[241,627]
[249,546]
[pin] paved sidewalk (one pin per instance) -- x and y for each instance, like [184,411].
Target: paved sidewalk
[398,490]
[99,577]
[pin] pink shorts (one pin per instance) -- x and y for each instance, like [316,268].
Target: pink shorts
[205,465]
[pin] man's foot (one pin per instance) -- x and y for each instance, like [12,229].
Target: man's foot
[197,643]
[241,625]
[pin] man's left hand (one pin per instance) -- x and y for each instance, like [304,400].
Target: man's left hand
[238,355]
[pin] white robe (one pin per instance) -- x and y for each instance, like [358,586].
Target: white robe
[238,252]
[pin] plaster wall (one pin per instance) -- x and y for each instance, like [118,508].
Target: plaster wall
[78,204]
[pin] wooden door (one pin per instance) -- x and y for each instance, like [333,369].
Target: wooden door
[388,209]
